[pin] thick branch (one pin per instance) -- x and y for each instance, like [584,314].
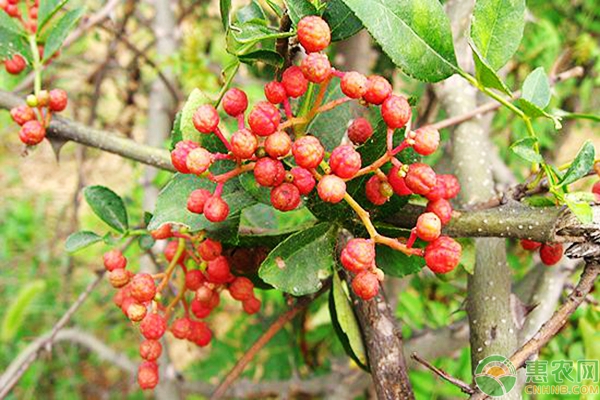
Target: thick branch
[67,130]
[547,224]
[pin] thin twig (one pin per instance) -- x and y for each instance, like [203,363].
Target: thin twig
[444,375]
[11,381]
[558,320]
[275,327]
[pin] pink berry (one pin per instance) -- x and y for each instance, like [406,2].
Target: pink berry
[303,180]
[278,144]
[114,259]
[153,327]
[143,288]
[150,350]
[216,209]
[243,144]
[235,102]
[294,82]
[429,227]
[358,255]
[241,288]
[378,89]
[251,305]
[206,119]
[199,160]
[210,249]
[32,133]
[285,197]
[22,114]
[316,67]
[442,208]
[365,285]
[313,33]
[396,111]
[426,141]
[218,271]
[194,279]
[376,190]
[360,130]
[442,255]
[180,153]
[147,375]
[331,189]
[197,200]
[354,84]
[269,172]
[58,100]
[420,178]
[275,92]
[345,162]
[308,152]
[264,118]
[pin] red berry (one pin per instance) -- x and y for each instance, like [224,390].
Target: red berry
[269,172]
[285,197]
[360,130]
[218,271]
[426,141]
[15,65]
[358,255]
[530,244]
[316,67]
[243,144]
[442,255]
[206,119]
[303,180]
[264,118]
[120,296]
[22,114]
[200,334]
[143,288]
[148,375]
[308,152]
[171,250]
[204,294]
[199,309]
[180,153]
[136,312]
[241,288]
[429,227]
[378,89]
[235,102]
[331,189]
[451,185]
[596,190]
[442,208]
[251,305]
[398,182]
[278,144]
[313,33]
[180,328]
[210,249]
[199,160]
[345,161]
[12,10]
[43,98]
[126,304]
[275,92]
[114,259]
[32,133]
[58,100]
[197,200]
[294,82]
[119,278]
[396,112]
[150,350]
[164,232]
[194,279]
[153,326]
[216,209]
[365,285]
[376,191]
[551,253]
[420,178]
[354,84]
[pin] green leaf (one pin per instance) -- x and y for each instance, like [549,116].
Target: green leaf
[171,205]
[276,8]
[260,193]
[396,263]
[344,316]
[12,39]
[252,32]
[415,34]
[299,263]
[17,310]
[581,165]
[251,12]
[536,88]
[582,210]
[468,257]
[225,8]
[79,240]
[530,109]
[60,31]
[107,205]
[298,9]
[176,135]
[46,11]
[485,74]
[525,148]
[269,57]
[497,28]
[326,126]
[195,100]
[341,20]
[7,23]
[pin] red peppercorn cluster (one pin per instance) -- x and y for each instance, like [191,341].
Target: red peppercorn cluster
[291,163]
[34,117]
[550,253]
[204,272]
[29,21]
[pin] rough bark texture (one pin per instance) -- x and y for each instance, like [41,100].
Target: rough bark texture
[489,288]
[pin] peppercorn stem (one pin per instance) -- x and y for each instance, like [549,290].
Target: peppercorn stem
[172,265]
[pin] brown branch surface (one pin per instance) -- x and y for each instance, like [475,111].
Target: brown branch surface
[556,322]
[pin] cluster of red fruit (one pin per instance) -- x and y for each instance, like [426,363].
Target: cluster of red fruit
[550,253]
[33,124]
[262,147]
[205,276]
[11,7]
